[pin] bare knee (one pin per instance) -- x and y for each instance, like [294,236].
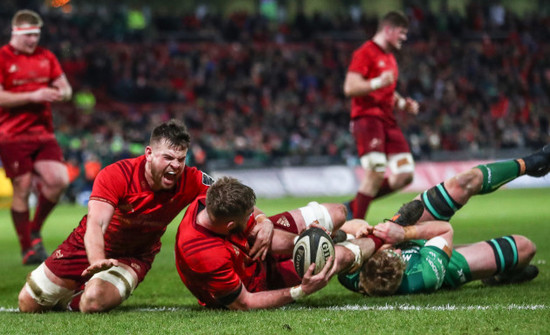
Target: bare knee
[526,249]
[98,298]
[27,304]
[338,213]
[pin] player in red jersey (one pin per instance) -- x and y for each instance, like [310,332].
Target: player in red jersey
[370,82]
[30,79]
[213,253]
[112,249]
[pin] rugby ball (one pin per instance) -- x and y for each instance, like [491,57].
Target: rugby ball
[314,245]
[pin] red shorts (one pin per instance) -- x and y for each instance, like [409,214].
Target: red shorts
[281,273]
[69,260]
[19,157]
[373,134]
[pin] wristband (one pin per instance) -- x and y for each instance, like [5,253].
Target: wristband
[410,233]
[375,83]
[401,103]
[296,292]
[377,241]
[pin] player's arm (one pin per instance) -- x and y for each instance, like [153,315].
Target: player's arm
[99,216]
[262,233]
[394,233]
[277,298]
[408,105]
[64,88]
[356,85]
[357,228]
[15,99]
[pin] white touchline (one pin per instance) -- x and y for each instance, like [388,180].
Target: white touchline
[404,307]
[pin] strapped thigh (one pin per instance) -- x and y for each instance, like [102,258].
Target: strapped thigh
[506,252]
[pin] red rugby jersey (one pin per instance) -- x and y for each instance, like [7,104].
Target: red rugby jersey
[370,61]
[213,266]
[20,72]
[141,215]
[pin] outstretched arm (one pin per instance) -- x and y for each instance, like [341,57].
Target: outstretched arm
[99,217]
[276,298]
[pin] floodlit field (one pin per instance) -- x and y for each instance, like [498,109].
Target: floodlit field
[162,305]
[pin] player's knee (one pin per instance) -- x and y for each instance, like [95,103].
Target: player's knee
[469,181]
[338,213]
[27,304]
[526,248]
[95,299]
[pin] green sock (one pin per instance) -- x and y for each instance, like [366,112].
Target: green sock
[497,174]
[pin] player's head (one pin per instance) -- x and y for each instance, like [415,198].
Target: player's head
[394,25]
[25,33]
[166,154]
[228,200]
[382,274]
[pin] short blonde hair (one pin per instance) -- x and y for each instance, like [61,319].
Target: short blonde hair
[382,274]
[26,16]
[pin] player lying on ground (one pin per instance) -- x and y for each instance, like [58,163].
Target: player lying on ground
[110,252]
[425,266]
[213,253]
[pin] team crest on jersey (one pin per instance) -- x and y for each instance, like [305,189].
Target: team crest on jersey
[44,63]
[13,68]
[58,254]
[381,64]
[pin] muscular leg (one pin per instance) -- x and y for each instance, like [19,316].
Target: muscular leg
[46,287]
[482,259]
[20,208]
[106,290]
[53,179]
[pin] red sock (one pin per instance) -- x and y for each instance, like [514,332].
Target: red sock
[43,208]
[362,203]
[384,189]
[22,227]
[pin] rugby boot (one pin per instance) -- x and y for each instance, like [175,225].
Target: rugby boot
[538,164]
[527,273]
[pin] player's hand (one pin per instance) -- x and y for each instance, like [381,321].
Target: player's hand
[263,234]
[390,232]
[364,230]
[99,266]
[46,94]
[411,106]
[386,78]
[313,283]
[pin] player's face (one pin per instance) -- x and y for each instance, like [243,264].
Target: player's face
[396,37]
[164,166]
[26,43]
[240,223]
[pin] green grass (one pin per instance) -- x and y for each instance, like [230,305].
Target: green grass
[162,305]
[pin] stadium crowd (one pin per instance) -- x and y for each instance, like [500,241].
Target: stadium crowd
[256,92]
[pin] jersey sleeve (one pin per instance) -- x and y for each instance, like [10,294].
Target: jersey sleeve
[426,273]
[110,185]
[55,70]
[359,62]
[214,268]
[350,280]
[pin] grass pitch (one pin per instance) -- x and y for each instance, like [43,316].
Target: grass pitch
[162,305]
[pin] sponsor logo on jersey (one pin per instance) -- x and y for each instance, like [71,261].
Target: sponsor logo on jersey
[381,64]
[12,69]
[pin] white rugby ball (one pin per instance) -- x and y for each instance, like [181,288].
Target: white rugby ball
[314,245]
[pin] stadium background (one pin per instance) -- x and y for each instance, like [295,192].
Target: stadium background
[261,93]
[259,82]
